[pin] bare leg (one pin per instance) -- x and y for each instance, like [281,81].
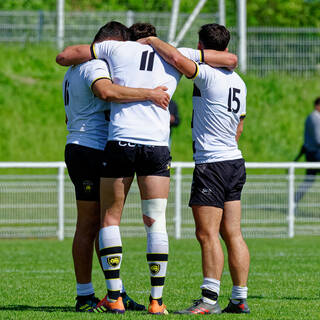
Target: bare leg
[86,231]
[207,220]
[113,194]
[238,253]
[153,187]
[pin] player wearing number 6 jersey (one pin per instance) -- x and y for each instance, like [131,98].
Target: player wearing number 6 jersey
[219,107]
[138,143]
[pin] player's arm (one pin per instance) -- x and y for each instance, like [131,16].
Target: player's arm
[169,53]
[106,90]
[239,129]
[219,58]
[74,55]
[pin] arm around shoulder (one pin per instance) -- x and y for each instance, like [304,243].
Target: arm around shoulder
[220,58]
[73,55]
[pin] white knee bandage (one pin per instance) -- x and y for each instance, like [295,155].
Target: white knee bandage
[154,215]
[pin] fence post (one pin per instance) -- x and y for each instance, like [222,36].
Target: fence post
[291,203]
[61,203]
[222,12]
[60,24]
[130,18]
[242,34]
[174,20]
[178,203]
[40,25]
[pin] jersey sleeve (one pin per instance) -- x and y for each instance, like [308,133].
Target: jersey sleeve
[95,71]
[204,79]
[243,110]
[102,50]
[192,54]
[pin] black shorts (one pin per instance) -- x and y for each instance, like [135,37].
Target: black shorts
[217,182]
[84,166]
[124,159]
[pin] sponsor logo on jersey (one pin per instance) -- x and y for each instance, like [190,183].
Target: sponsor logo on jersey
[87,186]
[154,268]
[113,261]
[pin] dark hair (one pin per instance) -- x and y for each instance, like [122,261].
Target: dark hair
[114,30]
[214,36]
[317,101]
[141,30]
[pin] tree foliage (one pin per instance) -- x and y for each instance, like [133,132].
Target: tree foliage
[286,13]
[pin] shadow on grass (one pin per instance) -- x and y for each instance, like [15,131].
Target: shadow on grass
[36,308]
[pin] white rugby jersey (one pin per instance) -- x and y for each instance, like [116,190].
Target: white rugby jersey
[87,114]
[136,65]
[219,102]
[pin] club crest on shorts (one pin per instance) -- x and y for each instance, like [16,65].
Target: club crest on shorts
[154,268]
[87,186]
[113,261]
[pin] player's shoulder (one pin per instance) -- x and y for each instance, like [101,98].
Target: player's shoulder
[93,65]
[231,74]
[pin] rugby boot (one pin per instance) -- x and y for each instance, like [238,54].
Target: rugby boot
[241,307]
[107,306]
[130,304]
[86,303]
[156,306]
[201,307]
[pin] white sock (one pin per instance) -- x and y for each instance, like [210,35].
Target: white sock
[111,257]
[157,257]
[84,289]
[238,293]
[212,285]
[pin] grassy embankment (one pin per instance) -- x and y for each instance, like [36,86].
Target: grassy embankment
[32,115]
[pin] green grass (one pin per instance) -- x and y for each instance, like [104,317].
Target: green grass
[32,113]
[38,282]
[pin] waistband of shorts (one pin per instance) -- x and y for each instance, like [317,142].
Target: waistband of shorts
[222,161]
[132,144]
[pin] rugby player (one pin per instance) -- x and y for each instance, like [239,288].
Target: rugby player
[138,143]
[219,108]
[86,89]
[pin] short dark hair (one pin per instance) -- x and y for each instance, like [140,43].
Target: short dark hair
[214,36]
[142,30]
[114,30]
[317,101]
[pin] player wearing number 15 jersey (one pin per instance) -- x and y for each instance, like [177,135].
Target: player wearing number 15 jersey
[219,107]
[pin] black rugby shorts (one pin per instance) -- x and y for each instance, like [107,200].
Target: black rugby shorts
[124,159]
[84,166]
[215,183]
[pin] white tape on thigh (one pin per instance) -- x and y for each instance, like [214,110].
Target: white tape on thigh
[154,214]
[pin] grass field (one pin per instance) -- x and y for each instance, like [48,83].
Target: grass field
[37,280]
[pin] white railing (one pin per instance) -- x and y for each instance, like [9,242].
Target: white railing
[269,208]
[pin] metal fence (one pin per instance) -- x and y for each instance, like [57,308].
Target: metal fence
[269,49]
[34,205]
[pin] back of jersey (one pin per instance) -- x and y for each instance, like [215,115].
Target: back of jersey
[87,124]
[139,66]
[219,102]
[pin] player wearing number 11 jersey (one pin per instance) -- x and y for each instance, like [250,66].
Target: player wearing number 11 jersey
[219,107]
